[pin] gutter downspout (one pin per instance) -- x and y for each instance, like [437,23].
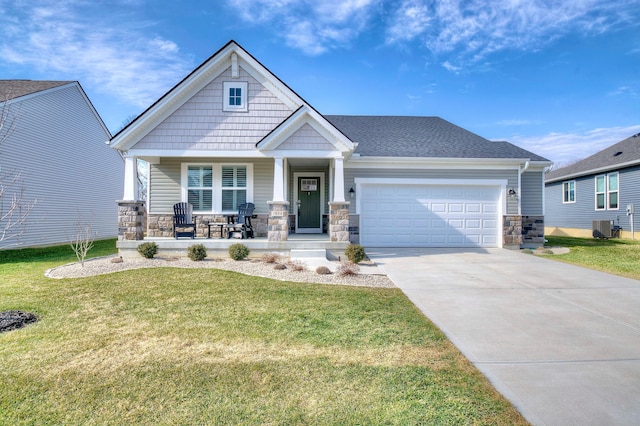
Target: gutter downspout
[521,170]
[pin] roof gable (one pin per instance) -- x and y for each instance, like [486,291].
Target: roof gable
[230,57]
[622,154]
[289,135]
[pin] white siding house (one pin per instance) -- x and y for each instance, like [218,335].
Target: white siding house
[57,145]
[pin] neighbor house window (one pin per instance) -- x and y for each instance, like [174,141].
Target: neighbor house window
[234,187]
[235,96]
[607,191]
[200,187]
[217,188]
[569,192]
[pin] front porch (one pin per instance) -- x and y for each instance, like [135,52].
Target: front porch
[168,246]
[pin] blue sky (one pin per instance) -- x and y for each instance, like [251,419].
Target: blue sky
[558,77]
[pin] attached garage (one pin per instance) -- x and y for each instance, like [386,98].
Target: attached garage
[442,214]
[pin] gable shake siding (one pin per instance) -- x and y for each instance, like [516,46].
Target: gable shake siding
[580,214]
[201,124]
[58,146]
[306,138]
[165,184]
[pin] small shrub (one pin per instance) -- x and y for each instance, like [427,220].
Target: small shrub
[270,257]
[238,251]
[355,253]
[197,252]
[148,250]
[323,270]
[296,265]
[279,266]
[348,268]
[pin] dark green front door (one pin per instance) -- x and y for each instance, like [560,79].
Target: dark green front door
[309,217]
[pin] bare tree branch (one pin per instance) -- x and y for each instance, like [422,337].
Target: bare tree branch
[15,207]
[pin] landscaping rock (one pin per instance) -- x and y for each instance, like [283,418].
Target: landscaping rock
[11,320]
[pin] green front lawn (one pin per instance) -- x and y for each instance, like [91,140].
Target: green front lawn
[615,256]
[201,346]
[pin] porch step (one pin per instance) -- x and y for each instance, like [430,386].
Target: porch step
[322,253]
[312,258]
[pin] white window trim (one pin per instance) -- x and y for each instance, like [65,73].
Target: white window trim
[609,192]
[243,85]
[606,192]
[568,182]
[217,184]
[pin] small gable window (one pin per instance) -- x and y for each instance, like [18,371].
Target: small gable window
[569,192]
[235,96]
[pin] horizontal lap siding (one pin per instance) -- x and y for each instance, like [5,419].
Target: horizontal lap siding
[582,213]
[532,192]
[202,124]
[165,185]
[59,148]
[510,175]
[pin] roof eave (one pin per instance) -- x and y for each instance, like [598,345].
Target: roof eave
[594,171]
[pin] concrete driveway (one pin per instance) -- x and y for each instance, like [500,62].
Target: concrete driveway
[562,343]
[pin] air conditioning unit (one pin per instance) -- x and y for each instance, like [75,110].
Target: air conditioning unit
[602,228]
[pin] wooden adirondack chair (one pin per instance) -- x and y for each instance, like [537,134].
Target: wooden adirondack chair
[243,224]
[183,219]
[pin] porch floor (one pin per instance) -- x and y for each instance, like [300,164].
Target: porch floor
[220,247]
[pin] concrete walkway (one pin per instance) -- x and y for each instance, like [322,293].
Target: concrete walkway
[562,343]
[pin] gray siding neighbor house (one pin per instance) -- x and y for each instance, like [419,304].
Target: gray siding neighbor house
[598,188]
[232,132]
[56,145]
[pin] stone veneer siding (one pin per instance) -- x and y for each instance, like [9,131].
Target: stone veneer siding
[278,222]
[161,225]
[339,221]
[131,218]
[533,231]
[512,231]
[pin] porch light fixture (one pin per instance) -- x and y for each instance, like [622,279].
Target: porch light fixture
[512,193]
[352,193]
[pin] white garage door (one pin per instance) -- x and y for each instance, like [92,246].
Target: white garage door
[407,215]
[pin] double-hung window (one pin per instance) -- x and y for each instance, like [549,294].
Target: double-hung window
[200,187]
[234,187]
[217,188]
[569,191]
[607,188]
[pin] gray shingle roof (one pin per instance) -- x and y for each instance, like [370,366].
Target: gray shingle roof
[623,153]
[407,136]
[11,89]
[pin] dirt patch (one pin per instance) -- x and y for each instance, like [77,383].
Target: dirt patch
[11,320]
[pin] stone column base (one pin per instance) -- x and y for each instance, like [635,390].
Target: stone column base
[339,221]
[278,221]
[131,220]
[512,232]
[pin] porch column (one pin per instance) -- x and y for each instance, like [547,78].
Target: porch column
[130,179]
[278,222]
[278,179]
[338,182]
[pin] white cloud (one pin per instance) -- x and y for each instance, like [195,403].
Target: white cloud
[312,26]
[64,40]
[408,21]
[450,67]
[473,29]
[568,147]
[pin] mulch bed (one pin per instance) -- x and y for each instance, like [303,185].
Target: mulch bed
[11,320]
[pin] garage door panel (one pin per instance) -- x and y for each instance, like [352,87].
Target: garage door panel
[429,215]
